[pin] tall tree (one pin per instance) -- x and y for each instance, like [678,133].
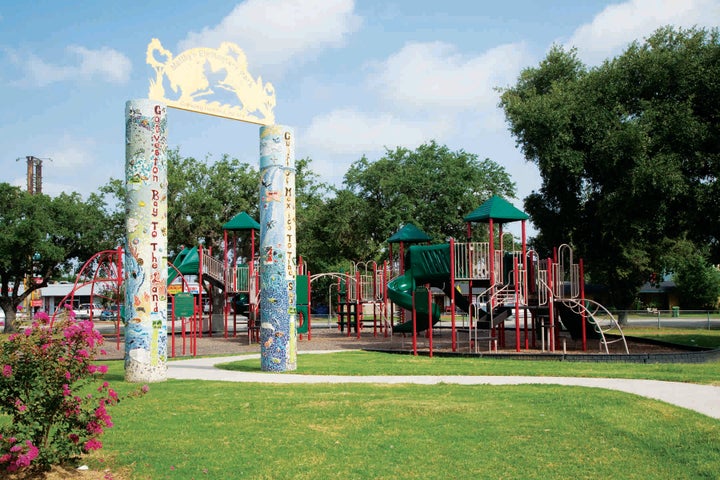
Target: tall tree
[310,201]
[43,236]
[431,186]
[629,153]
[203,195]
[697,281]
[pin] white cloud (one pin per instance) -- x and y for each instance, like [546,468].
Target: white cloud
[70,154]
[104,63]
[428,91]
[349,131]
[619,24]
[274,33]
[337,139]
[434,75]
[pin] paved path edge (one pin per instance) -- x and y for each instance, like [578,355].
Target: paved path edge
[704,399]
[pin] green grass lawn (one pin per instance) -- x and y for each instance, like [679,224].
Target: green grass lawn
[225,430]
[373,363]
[196,429]
[681,336]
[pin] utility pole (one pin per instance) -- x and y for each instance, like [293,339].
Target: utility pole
[34,187]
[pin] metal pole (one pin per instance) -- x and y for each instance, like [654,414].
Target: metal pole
[414,323]
[582,300]
[227,283]
[551,313]
[517,305]
[430,319]
[453,329]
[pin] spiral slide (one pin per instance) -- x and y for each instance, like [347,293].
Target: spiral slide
[425,264]
[187,262]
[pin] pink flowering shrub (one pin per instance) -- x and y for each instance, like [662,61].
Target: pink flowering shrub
[46,374]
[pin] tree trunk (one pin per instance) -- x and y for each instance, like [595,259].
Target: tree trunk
[622,317]
[9,321]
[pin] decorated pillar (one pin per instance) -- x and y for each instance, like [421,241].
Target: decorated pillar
[278,315]
[145,310]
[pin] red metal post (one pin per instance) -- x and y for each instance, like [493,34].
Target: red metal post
[551,302]
[358,302]
[227,286]
[453,334]
[200,284]
[523,235]
[414,324]
[309,306]
[385,302]
[582,300]
[172,326]
[347,304]
[491,236]
[430,319]
[517,303]
[374,299]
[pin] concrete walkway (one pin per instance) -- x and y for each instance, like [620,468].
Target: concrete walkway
[701,398]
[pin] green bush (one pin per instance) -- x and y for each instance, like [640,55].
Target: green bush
[49,389]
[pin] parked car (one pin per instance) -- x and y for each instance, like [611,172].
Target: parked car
[110,313]
[85,310]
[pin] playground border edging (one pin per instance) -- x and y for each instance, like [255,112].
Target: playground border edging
[704,356]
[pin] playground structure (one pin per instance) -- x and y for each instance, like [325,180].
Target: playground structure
[485,282]
[365,288]
[237,280]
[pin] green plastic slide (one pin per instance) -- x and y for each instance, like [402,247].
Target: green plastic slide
[187,262]
[425,264]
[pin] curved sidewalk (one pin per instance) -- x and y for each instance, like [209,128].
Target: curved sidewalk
[704,399]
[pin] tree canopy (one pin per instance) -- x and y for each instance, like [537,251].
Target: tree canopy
[430,186]
[41,237]
[628,152]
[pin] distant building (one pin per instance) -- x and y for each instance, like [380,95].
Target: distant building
[662,296]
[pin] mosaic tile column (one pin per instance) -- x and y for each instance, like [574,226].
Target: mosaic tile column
[145,273]
[278,315]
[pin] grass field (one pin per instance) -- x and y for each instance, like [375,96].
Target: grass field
[227,430]
[696,337]
[221,430]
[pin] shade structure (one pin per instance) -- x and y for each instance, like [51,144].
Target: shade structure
[497,209]
[409,234]
[241,221]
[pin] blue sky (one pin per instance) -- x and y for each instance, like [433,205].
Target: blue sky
[352,77]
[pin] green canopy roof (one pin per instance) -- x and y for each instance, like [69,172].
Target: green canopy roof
[498,209]
[242,221]
[409,234]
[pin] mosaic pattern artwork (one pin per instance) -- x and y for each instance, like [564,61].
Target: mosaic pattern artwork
[278,331]
[145,311]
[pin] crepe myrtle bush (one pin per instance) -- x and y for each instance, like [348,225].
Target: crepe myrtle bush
[53,394]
